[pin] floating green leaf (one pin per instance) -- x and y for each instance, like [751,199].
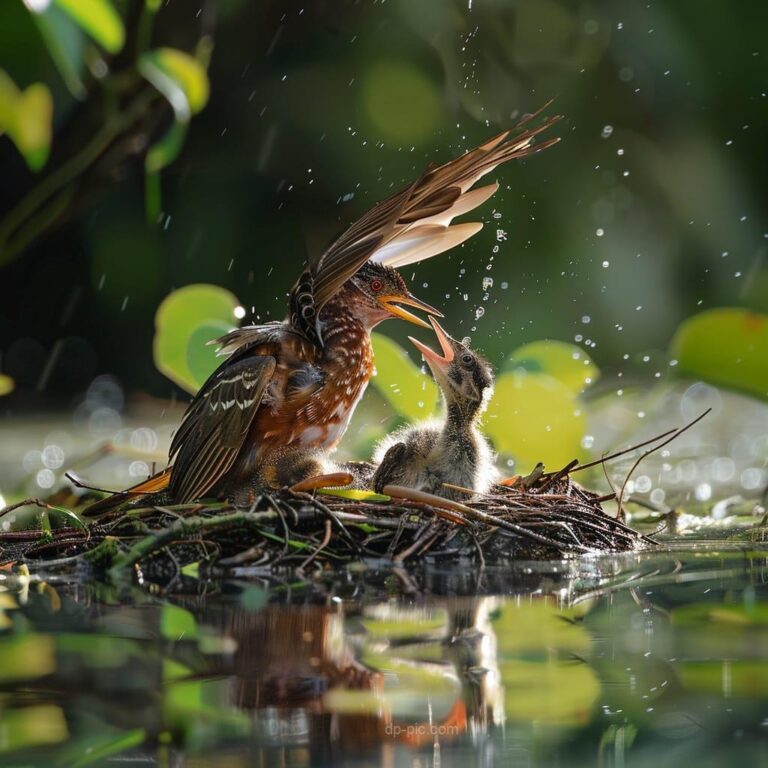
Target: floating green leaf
[727,347]
[26,116]
[185,321]
[549,691]
[533,417]
[177,623]
[355,495]
[567,363]
[99,19]
[26,657]
[412,394]
[538,627]
[179,77]
[100,746]
[32,727]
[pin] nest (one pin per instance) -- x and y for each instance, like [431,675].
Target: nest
[311,531]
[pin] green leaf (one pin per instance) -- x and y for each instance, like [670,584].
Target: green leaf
[99,19]
[411,393]
[727,347]
[26,116]
[6,384]
[549,692]
[533,418]
[65,43]
[32,727]
[537,629]
[70,517]
[164,151]
[185,321]
[26,657]
[567,363]
[192,570]
[177,623]
[179,77]
[355,495]
[98,747]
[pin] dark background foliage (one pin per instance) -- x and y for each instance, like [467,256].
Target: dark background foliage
[650,209]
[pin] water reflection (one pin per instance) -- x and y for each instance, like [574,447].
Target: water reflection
[651,658]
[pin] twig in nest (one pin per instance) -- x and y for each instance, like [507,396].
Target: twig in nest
[323,544]
[441,507]
[552,479]
[625,451]
[647,453]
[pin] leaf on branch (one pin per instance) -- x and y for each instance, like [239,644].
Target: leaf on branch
[26,116]
[179,77]
[99,19]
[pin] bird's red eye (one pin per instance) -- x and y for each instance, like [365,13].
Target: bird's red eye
[376,284]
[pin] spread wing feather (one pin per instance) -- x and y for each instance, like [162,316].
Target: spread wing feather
[415,223]
[216,424]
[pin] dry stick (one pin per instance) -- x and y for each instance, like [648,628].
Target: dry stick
[623,452]
[473,514]
[181,528]
[552,479]
[653,450]
[415,545]
[323,544]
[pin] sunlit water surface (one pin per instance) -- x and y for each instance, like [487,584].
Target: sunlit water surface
[650,659]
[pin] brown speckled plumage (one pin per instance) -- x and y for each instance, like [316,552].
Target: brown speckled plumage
[283,397]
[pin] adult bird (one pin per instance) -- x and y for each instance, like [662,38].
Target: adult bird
[284,395]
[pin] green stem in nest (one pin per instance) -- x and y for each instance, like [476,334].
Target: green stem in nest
[56,181]
[183,529]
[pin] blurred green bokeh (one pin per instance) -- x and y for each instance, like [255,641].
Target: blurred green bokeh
[238,139]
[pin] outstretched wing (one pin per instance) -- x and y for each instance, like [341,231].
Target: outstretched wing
[415,223]
[216,424]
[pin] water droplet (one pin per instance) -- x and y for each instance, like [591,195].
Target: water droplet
[479,312]
[487,283]
[599,231]
[606,264]
[607,131]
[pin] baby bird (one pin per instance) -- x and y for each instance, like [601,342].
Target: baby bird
[453,451]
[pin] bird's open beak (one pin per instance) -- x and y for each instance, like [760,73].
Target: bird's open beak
[433,358]
[391,302]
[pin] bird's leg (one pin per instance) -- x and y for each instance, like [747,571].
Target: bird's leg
[330,480]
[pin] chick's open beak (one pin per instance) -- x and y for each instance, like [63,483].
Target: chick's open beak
[391,302]
[433,358]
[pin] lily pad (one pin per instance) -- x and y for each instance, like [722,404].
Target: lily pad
[411,393]
[567,363]
[534,417]
[185,322]
[727,347]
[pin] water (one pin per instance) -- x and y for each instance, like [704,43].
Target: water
[650,659]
